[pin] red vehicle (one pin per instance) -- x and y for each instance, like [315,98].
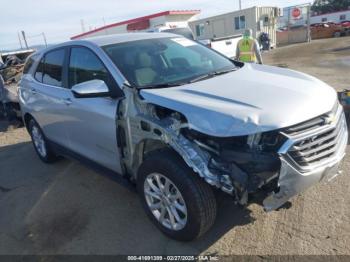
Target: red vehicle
[346,27]
[326,30]
[345,24]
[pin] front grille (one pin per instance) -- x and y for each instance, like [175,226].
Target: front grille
[306,126]
[315,141]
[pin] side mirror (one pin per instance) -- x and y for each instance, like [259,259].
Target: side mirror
[92,88]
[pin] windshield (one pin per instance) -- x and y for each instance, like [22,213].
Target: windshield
[164,62]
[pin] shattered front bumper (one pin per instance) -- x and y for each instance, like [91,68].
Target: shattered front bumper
[293,181]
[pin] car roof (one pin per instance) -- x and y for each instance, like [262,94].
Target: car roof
[126,37]
[110,39]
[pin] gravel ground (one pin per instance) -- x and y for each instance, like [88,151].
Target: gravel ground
[66,208]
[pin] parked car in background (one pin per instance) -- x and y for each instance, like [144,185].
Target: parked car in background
[180,121]
[345,24]
[224,45]
[326,30]
[182,31]
[346,27]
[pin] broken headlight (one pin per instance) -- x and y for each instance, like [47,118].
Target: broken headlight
[267,141]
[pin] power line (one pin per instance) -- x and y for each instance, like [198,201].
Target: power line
[35,40]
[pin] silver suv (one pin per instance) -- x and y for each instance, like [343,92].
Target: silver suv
[180,120]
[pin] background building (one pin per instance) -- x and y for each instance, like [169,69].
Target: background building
[316,17]
[154,22]
[259,19]
[294,25]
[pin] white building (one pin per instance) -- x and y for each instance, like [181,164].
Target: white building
[259,19]
[167,19]
[335,17]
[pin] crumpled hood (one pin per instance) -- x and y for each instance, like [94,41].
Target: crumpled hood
[252,99]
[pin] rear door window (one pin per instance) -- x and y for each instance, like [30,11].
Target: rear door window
[53,68]
[84,66]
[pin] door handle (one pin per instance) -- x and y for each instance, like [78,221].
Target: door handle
[67,101]
[33,90]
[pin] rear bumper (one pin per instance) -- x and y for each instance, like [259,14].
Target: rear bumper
[293,181]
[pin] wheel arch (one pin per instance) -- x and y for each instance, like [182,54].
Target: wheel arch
[145,147]
[26,118]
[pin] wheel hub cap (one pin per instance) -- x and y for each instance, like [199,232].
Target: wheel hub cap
[39,141]
[165,201]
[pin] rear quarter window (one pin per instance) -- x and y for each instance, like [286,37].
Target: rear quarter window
[39,71]
[28,65]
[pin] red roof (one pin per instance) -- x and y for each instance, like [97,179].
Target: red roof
[174,12]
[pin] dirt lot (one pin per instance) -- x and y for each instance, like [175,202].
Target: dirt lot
[66,208]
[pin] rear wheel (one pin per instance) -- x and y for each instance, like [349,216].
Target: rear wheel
[40,143]
[176,200]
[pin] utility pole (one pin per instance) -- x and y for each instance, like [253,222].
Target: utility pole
[44,39]
[82,25]
[19,39]
[25,39]
[240,4]
[309,23]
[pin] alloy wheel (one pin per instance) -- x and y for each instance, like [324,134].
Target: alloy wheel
[39,141]
[165,201]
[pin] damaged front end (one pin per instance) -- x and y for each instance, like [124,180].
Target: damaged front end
[290,160]
[313,151]
[246,163]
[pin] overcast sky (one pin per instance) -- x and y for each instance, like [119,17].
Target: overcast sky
[60,19]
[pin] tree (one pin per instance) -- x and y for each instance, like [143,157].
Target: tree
[328,6]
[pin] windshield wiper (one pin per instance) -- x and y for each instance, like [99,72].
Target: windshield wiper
[221,72]
[201,77]
[162,85]
[211,74]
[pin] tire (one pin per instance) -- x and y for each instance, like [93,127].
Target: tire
[42,149]
[337,34]
[198,199]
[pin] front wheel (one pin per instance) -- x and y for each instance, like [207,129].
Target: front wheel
[176,200]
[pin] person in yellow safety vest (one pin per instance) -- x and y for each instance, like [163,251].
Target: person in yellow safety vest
[248,50]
